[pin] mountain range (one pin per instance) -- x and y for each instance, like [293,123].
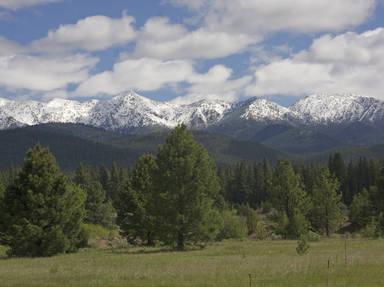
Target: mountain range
[130,112]
[123,127]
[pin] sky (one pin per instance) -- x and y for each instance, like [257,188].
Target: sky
[184,51]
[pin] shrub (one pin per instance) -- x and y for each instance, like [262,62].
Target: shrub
[302,246]
[261,231]
[313,236]
[250,216]
[370,230]
[234,225]
[275,236]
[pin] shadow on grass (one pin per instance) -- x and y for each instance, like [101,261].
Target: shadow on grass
[151,250]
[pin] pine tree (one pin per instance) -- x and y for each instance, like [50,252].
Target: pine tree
[2,191]
[104,177]
[137,214]
[188,188]
[43,211]
[326,213]
[361,209]
[379,194]
[118,180]
[241,185]
[288,197]
[337,168]
[99,209]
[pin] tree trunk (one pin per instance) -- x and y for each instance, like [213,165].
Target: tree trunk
[180,241]
[327,231]
[150,240]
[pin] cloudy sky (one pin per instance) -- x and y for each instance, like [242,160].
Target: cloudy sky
[184,50]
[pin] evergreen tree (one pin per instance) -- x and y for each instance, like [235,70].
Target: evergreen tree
[379,194]
[351,185]
[241,184]
[137,214]
[99,209]
[326,213]
[288,197]
[188,188]
[337,168]
[361,209]
[104,177]
[118,181]
[2,191]
[43,211]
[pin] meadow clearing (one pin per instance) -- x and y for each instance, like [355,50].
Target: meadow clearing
[225,264]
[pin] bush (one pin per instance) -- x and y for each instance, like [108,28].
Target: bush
[313,236]
[261,231]
[250,216]
[275,236]
[370,230]
[234,226]
[101,237]
[302,246]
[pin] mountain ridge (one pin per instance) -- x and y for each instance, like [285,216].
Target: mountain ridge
[130,112]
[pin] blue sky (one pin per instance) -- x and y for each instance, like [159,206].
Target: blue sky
[185,50]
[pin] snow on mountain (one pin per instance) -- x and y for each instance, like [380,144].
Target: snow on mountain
[131,111]
[202,113]
[258,109]
[65,111]
[338,108]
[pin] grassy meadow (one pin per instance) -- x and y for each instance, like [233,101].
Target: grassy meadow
[271,263]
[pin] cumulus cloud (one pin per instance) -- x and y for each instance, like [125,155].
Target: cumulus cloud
[8,47]
[217,83]
[93,33]
[19,4]
[349,62]
[42,74]
[161,39]
[141,74]
[256,17]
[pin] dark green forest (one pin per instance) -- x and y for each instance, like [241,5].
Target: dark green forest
[178,196]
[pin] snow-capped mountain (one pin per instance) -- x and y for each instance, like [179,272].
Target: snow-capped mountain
[202,114]
[338,108]
[129,111]
[258,109]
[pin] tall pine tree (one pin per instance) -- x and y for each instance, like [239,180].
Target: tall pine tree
[137,213]
[188,188]
[43,211]
[99,209]
[326,213]
[288,197]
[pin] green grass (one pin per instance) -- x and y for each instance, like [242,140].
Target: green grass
[271,263]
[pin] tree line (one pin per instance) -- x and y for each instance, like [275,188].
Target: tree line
[178,197]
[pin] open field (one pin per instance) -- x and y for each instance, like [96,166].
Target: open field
[271,263]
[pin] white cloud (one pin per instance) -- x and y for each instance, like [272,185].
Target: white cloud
[42,74]
[215,84]
[8,47]
[19,4]
[351,62]
[151,74]
[163,40]
[256,17]
[142,74]
[93,33]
